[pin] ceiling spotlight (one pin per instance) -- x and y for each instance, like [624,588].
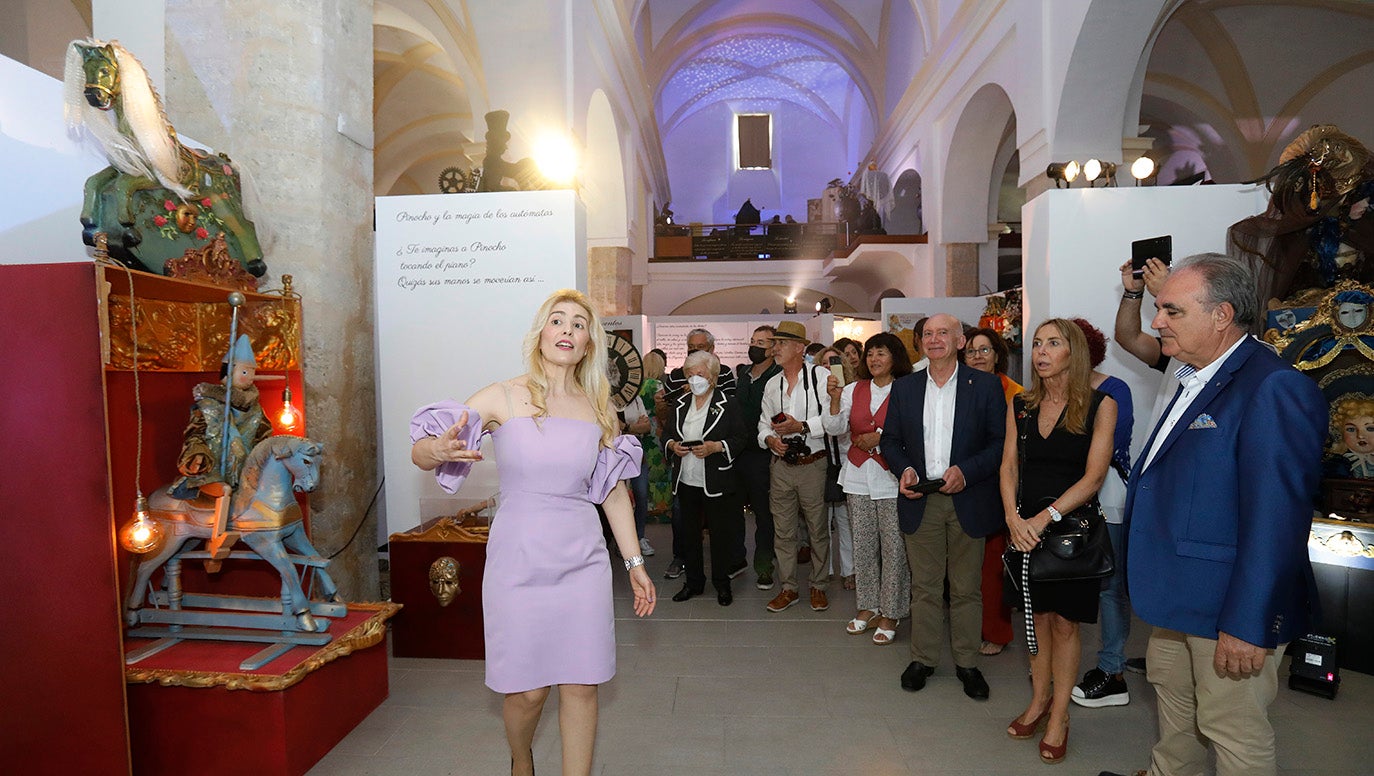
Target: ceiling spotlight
[1095,170]
[1062,172]
[823,306]
[1142,169]
[789,307]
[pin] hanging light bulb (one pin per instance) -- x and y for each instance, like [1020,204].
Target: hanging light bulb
[289,416]
[141,534]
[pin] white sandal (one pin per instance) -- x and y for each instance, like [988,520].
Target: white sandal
[857,626]
[884,636]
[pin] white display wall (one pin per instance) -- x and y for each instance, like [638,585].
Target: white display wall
[1076,240]
[459,279]
[46,168]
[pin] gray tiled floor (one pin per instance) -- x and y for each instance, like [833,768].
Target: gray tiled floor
[711,691]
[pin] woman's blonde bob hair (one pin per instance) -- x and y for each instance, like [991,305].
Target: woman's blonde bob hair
[1080,377]
[590,372]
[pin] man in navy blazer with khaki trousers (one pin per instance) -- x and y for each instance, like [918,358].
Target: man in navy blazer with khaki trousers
[947,422]
[1219,508]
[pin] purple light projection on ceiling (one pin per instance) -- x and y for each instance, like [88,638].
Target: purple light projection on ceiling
[757,67]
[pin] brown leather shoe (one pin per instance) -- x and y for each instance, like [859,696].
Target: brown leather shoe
[783,600]
[819,602]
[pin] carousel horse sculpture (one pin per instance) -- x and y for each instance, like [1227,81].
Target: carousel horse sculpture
[158,198]
[263,513]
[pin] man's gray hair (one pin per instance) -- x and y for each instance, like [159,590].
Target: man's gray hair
[703,357]
[1229,281]
[710,338]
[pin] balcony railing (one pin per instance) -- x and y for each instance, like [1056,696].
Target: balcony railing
[731,242]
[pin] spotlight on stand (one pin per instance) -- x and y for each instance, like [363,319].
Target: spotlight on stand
[557,159]
[1142,169]
[1095,170]
[823,306]
[789,307]
[1062,172]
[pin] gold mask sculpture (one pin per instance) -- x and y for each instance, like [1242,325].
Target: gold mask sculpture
[443,579]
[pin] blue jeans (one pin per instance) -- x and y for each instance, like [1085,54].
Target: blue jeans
[1115,615]
[639,486]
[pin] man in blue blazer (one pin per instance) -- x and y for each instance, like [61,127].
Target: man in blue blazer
[947,422]
[1219,509]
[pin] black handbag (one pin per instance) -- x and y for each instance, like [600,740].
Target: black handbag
[1075,547]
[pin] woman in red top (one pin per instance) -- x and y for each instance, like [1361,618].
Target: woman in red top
[986,351]
[883,581]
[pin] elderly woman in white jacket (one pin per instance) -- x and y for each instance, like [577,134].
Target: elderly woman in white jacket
[882,579]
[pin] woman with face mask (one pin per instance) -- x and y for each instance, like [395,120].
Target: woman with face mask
[705,437]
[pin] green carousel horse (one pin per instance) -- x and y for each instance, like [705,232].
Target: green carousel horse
[158,197]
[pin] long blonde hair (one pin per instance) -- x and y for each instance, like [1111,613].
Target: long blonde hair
[1080,385]
[590,372]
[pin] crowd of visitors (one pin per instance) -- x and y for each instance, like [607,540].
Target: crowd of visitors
[956,496]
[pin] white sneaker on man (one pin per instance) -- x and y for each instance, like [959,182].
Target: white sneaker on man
[646,549]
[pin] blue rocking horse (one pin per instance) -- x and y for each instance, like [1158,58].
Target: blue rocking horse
[262,513]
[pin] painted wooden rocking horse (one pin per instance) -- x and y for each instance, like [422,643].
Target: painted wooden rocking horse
[158,198]
[263,514]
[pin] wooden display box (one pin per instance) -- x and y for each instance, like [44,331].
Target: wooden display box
[424,628]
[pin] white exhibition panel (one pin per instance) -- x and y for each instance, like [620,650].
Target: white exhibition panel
[40,222]
[1076,240]
[459,279]
[733,332]
[902,312]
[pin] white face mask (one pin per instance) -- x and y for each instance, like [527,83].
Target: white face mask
[699,385]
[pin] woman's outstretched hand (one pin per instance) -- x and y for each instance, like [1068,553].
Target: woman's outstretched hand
[645,595]
[450,447]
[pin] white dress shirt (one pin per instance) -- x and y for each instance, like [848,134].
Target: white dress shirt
[802,400]
[937,424]
[693,426]
[1193,381]
[871,479]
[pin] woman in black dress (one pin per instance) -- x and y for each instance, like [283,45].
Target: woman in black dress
[1066,428]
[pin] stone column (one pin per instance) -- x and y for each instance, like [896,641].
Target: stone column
[961,269]
[275,84]
[608,279]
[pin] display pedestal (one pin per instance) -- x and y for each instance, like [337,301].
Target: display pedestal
[425,628]
[193,711]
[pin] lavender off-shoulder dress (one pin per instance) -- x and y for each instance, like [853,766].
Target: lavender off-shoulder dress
[546,589]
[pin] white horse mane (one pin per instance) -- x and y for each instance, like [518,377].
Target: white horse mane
[152,151]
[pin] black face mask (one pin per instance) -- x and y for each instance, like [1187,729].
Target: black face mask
[757,355]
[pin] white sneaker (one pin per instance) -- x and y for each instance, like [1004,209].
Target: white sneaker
[645,549]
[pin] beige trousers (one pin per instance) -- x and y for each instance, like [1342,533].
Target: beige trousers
[798,493]
[1197,707]
[937,549]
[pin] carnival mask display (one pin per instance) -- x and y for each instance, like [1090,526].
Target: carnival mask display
[443,580]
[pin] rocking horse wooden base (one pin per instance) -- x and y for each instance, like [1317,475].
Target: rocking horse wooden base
[211,718]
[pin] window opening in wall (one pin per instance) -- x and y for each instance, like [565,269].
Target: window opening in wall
[753,137]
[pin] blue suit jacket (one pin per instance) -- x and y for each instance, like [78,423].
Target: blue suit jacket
[980,428]
[1218,523]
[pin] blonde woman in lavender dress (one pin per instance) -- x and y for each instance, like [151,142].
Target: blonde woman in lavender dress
[546,589]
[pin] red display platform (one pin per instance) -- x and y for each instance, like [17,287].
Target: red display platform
[191,710]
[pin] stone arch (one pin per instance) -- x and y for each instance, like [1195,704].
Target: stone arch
[747,300]
[603,176]
[1099,102]
[967,183]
